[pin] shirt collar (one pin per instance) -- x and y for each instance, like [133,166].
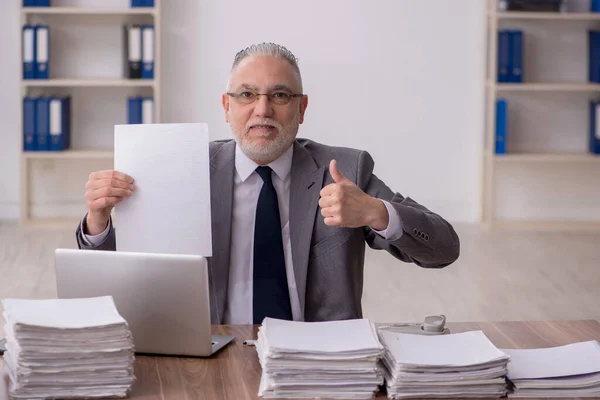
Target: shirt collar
[245,166]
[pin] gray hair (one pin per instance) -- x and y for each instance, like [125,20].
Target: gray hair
[268,49]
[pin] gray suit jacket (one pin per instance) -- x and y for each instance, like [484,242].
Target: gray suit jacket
[328,261]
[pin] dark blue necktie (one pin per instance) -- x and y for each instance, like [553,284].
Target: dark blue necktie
[271,297]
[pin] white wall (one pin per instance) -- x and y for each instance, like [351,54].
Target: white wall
[401,79]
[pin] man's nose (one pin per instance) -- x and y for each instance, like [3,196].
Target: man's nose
[263,107]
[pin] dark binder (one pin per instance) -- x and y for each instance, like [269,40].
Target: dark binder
[133,51]
[29,124]
[501,125]
[504,66]
[594,56]
[134,110]
[594,129]
[516,59]
[43,123]
[535,5]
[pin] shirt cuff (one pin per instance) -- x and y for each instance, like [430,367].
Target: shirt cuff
[394,230]
[94,240]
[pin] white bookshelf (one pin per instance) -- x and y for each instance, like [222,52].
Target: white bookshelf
[53,16]
[88,11]
[550,16]
[572,158]
[545,87]
[69,155]
[493,163]
[115,83]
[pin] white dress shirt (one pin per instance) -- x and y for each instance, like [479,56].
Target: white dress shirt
[247,186]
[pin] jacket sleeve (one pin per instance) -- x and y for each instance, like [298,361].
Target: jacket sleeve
[428,240]
[109,242]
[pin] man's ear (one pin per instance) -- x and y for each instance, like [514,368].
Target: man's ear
[303,105]
[225,102]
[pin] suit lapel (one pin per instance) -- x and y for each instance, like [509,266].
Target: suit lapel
[306,181]
[222,167]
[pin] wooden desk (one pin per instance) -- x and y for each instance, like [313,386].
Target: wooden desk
[234,373]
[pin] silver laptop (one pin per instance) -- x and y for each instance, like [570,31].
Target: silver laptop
[163,297]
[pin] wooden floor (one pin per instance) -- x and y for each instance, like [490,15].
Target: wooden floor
[499,276]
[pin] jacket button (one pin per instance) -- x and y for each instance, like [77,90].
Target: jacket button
[426,237]
[415,231]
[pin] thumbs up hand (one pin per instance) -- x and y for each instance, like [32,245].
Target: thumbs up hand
[345,204]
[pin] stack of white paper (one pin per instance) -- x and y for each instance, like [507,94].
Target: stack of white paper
[337,359]
[67,348]
[565,371]
[453,365]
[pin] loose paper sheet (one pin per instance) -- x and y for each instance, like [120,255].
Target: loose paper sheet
[169,212]
[572,359]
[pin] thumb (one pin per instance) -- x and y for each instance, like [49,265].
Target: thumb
[336,174]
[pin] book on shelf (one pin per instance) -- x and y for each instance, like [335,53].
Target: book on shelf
[139,51]
[46,123]
[142,3]
[510,56]
[594,56]
[36,3]
[140,110]
[501,125]
[36,51]
[533,5]
[594,128]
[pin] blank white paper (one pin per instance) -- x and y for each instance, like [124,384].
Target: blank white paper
[457,349]
[572,359]
[169,212]
[63,313]
[324,337]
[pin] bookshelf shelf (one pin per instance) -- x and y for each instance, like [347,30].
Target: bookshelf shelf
[547,16]
[547,158]
[535,225]
[68,155]
[55,16]
[495,165]
[31,83]
[26,11]
[545,87]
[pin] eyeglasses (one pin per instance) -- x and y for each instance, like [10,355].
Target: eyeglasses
[279,98]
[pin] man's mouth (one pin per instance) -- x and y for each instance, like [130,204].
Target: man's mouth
[262,127]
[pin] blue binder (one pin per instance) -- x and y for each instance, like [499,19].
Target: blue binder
[42,3]
[594,56]
[43,123]
[60,132]
[595,6]
[42,54]
[142,3]
[29,3]
[29,124]
[501,125]
[594,133]
[516,56]
[134,110]
[29,50]
[503,56]
[148,52]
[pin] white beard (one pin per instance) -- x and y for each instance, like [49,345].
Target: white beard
[274,148]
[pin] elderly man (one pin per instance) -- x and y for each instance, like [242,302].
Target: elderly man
[290,216]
